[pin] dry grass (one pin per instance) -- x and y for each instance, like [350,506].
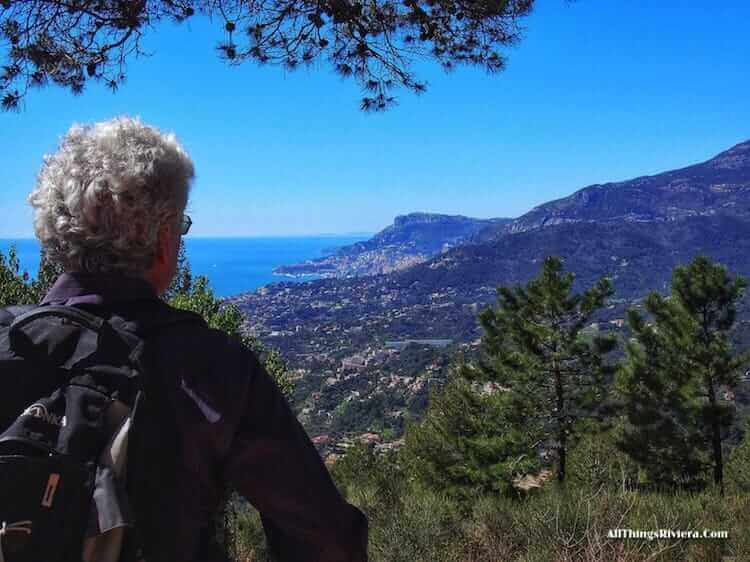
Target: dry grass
[552,526]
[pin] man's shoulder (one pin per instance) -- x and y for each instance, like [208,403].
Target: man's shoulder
[155,314]
[164,320]
[200,360]
[187,334]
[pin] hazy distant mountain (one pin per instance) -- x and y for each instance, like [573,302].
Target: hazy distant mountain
[411,239]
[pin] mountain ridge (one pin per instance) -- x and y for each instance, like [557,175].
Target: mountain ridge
[719,183]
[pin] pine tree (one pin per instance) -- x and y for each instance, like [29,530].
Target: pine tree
[71,43]
[677,365]
[469,443]
[536,347]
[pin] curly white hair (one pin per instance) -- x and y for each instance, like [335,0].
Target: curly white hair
[100,200]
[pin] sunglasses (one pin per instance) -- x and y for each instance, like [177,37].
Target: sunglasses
[185,225]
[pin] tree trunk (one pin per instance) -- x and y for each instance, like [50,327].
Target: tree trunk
[716,438]
[561,437]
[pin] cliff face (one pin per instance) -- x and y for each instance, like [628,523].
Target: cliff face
[423,233]
[411,239]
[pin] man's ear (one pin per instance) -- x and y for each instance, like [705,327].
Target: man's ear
[162,247]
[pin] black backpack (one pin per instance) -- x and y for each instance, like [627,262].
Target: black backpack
[63,373]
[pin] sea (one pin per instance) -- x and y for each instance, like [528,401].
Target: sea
[232,265]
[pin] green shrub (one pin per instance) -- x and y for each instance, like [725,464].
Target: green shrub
[596,462]
[15,286]
[738,467]
[422,529]
[242,531]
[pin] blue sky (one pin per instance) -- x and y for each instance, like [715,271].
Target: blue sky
[598,90]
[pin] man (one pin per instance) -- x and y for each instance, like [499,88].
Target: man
[109,208]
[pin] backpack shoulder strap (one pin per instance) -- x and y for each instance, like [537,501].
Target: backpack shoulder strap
[9,313]
[64,335]
[22,333]
[153,444]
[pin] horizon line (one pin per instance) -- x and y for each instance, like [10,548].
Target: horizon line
[240,236]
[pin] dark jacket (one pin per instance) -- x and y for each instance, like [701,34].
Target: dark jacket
[224,425]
